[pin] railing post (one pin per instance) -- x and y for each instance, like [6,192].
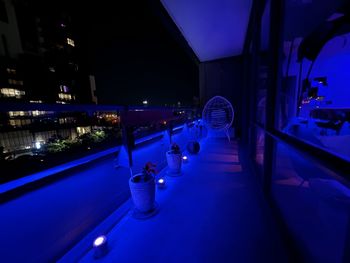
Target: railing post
[128,142]
[170,131]
[187,129]
[125,155]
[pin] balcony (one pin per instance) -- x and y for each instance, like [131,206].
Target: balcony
[274,188]
[214,210]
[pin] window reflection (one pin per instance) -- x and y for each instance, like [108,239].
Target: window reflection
[314,203]
[314,99]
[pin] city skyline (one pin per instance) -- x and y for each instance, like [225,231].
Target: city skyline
[60,55]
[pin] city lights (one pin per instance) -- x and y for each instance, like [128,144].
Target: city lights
[37,145]
[70,42]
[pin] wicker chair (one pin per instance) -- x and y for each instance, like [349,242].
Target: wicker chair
[218,115]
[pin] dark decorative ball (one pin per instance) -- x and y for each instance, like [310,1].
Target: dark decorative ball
[193,147]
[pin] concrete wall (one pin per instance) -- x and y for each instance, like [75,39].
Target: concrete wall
[224,77]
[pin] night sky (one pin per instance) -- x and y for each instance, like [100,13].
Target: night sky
[134,57]
[132,54]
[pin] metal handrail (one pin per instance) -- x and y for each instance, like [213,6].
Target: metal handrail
[16,106]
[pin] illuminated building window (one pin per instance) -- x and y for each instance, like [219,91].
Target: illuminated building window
[70,42]
[64,88]
[15,123]
[15,82]
[11,71]
[19,123]
[66,120]
[8,92]
[64,96]
[28,113]
[109,117]
[38,113]
[83,130]
[12,123]
[36,101]
[18,113]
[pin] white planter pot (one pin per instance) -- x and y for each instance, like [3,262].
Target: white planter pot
[143,194]
[174,162]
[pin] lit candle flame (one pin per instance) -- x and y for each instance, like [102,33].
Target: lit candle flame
[99,241]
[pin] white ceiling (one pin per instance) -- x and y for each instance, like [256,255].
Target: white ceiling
[214,29]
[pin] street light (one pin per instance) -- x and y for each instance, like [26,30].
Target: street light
[37,145]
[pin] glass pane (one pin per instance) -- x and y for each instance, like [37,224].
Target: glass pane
[314,100]
[314,204]
[258,152]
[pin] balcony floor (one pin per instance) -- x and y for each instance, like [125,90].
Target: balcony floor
[214,212]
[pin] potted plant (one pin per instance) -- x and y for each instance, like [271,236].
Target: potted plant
[174,159]
[142,188]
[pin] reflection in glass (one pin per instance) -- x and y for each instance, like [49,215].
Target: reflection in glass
[314,99]
[314,204]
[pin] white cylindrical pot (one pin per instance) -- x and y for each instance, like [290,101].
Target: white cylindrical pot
[174,162]
[143,194]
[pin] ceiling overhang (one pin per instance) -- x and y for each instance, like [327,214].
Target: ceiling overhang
[214,29]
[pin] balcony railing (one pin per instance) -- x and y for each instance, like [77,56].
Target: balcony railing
[36,137]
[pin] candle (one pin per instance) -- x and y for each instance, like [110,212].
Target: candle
[100,246]
[161,183]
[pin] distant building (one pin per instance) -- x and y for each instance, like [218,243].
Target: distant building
[11,83]
[40,56]
[40,63]
[93,89]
